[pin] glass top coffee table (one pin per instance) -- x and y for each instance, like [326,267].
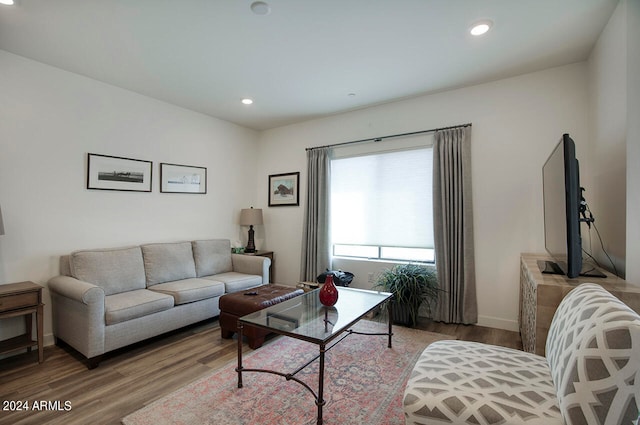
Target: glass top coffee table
[305,318]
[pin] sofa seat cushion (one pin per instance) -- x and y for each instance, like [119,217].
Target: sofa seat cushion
[114,270]
[460,382]
[190,290]
[212,256]
[167,262]
[133,304]
[235,282]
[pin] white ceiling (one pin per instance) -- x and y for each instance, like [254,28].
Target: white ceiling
[303,59]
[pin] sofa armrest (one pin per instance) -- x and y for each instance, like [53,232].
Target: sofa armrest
[77,290]
[252,264]
[78,314]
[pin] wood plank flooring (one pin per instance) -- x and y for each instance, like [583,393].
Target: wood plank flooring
[129,379]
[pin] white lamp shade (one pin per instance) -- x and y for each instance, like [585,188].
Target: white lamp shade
[1,223]
[250,216]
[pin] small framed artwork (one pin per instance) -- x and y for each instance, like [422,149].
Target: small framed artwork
[106,172]
[176,178]
[284,189]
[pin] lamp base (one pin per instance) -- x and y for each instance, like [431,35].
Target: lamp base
[251,245]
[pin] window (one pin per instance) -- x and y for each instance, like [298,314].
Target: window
[381,206]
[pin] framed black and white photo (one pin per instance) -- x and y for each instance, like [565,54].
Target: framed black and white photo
[106,172]
[176,178]
[284,189]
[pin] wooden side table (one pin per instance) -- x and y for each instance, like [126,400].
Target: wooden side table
[540,295]
[22,299]
[268,254]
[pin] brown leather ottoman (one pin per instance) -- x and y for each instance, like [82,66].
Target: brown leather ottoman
[235,305]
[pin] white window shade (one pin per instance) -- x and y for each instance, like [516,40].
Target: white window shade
[383,199]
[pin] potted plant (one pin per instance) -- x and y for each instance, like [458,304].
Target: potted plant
[412,285]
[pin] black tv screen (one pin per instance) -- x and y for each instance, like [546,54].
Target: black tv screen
[561,189]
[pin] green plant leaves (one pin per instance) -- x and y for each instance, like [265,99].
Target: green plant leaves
[412,285]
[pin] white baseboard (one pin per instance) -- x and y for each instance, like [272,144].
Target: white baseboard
[498,323]
[48,339]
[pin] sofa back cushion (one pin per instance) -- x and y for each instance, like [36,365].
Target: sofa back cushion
[212,256]
[166,262]
[114,270]
[65,265]
[593,351]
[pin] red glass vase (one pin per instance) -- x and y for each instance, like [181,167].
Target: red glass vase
[328,292]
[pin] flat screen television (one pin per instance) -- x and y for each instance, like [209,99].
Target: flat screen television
[562,197]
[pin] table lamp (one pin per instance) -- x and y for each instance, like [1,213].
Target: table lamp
[250,217]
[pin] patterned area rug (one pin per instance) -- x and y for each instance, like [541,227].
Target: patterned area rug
[364,384]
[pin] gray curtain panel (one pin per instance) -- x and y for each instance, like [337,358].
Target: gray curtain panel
[316,255]
[453,226]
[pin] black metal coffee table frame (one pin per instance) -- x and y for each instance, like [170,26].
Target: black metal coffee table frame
[332,335]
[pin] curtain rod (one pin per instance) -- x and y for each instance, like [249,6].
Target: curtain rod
[379,139]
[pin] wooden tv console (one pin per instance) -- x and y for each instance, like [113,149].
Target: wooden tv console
[540,295]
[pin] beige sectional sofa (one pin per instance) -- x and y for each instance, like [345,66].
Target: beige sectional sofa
[105,299]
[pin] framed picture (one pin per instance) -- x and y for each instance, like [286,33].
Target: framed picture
[284,189]
[106,172]
[176,178]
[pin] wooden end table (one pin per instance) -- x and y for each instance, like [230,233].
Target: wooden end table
[22,299]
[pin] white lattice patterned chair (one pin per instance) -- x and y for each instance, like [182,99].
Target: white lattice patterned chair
[591,375]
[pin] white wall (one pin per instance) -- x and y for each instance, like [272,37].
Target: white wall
[516,123]
[606,183]
[51,119]
[633,141]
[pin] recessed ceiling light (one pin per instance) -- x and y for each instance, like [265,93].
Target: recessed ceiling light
[260,8]
[247,101]
[480,28]
[7,2]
